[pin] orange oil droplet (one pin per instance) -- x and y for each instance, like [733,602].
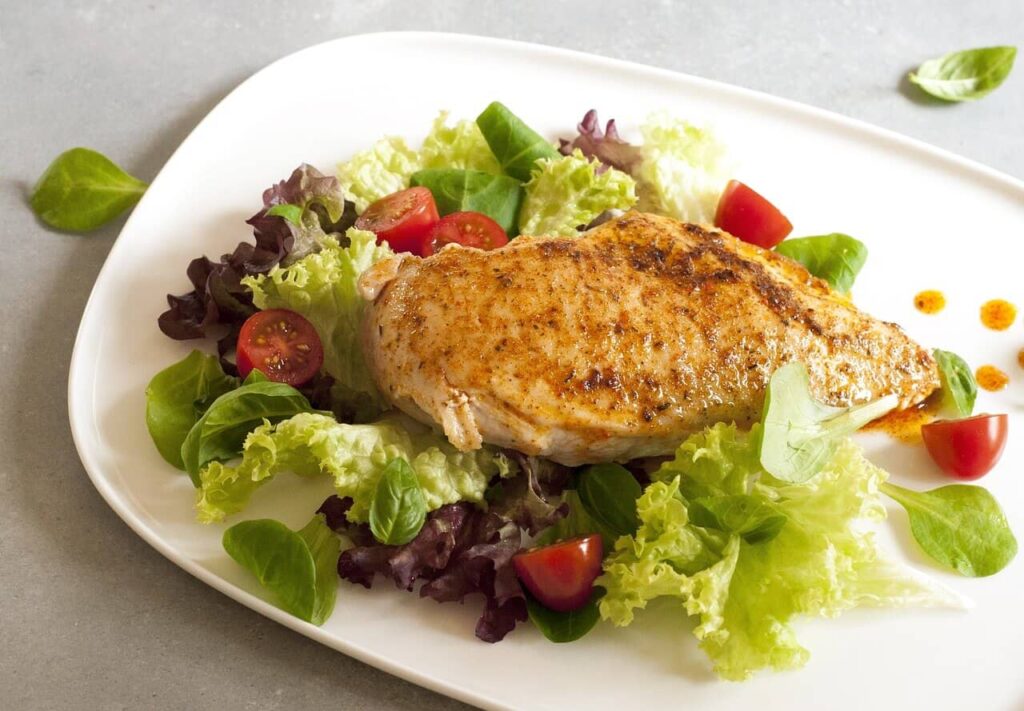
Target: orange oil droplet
[930,301]
[998,314]
[1020,358]
[991,378]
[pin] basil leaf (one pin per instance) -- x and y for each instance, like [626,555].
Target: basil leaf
[967,75]
[608,493]
[836,258]
[561,627]
[748,515]
[82,190]
[299,568]
[178,396]
[577,522]
[497,196]
[799,433]
[398,509]
[516,146]
[292,213]
[959,389]
[960,526]
[221,431]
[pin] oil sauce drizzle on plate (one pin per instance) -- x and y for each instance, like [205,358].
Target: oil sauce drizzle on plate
[930,301]
[991,378]
[998,314]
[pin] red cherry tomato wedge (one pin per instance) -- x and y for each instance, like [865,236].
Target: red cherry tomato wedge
[968,448]
[281,344]
[470,229]
[561,576]
[401,219]
[746,214]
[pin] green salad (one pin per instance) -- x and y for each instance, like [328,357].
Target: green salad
[744,530]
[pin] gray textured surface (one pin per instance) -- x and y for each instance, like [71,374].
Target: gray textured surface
[91,616]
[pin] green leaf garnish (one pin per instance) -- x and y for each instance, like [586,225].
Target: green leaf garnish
[960,526]
[398,509]
[836,258]
[608,493]
[966,75]
[82,190]
[959,389]
[749,515]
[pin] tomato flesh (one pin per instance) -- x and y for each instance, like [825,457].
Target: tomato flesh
[561,576]
[281,344]
[401,219]
[968,448]
[470,229]
[744,213]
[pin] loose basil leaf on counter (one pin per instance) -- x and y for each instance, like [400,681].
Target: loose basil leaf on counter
[220,433]
[516,146]
[398,509]
[298,567]
[497,196]
[178,396]
[748,515]
[292,213]
[800,433]
[836,258]
[966,75]
[959,388]
[82,190]
[563,627]
[608,493]
[960,526]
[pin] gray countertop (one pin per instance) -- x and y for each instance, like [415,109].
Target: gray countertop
[92,617]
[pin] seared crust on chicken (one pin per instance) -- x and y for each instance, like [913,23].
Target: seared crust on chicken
[619,343]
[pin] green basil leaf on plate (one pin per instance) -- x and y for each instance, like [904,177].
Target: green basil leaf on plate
[966,75]
[220,433]
[608,493]
[178,396]
[561,627]
[836,258]
[398,509]
[749,515]
[497,196]
[298,567]
[82,190]
[516,146]
[959,388]
[960,526]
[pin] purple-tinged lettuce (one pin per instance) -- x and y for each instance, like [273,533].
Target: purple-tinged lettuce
[605,145]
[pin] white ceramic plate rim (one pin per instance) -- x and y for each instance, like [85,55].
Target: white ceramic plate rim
[77,409]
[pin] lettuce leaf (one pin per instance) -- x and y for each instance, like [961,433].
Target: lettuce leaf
[744,595]
[606,146]
[386,167]
[355,456]
[322,287]
[461,146]
[566,193]
[683,169]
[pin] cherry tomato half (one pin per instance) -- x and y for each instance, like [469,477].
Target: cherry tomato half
[281,344]
[745,214]
[470,229]
[401,219]
[967,448]
[561,576]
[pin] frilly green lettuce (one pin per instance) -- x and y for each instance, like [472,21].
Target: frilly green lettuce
[743,595]
[568,192]
[683,169]
[355,456]
[386,167]
[322,287]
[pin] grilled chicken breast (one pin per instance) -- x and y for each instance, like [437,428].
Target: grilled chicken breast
[619,343]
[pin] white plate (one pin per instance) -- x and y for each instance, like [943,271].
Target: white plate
[931,220]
